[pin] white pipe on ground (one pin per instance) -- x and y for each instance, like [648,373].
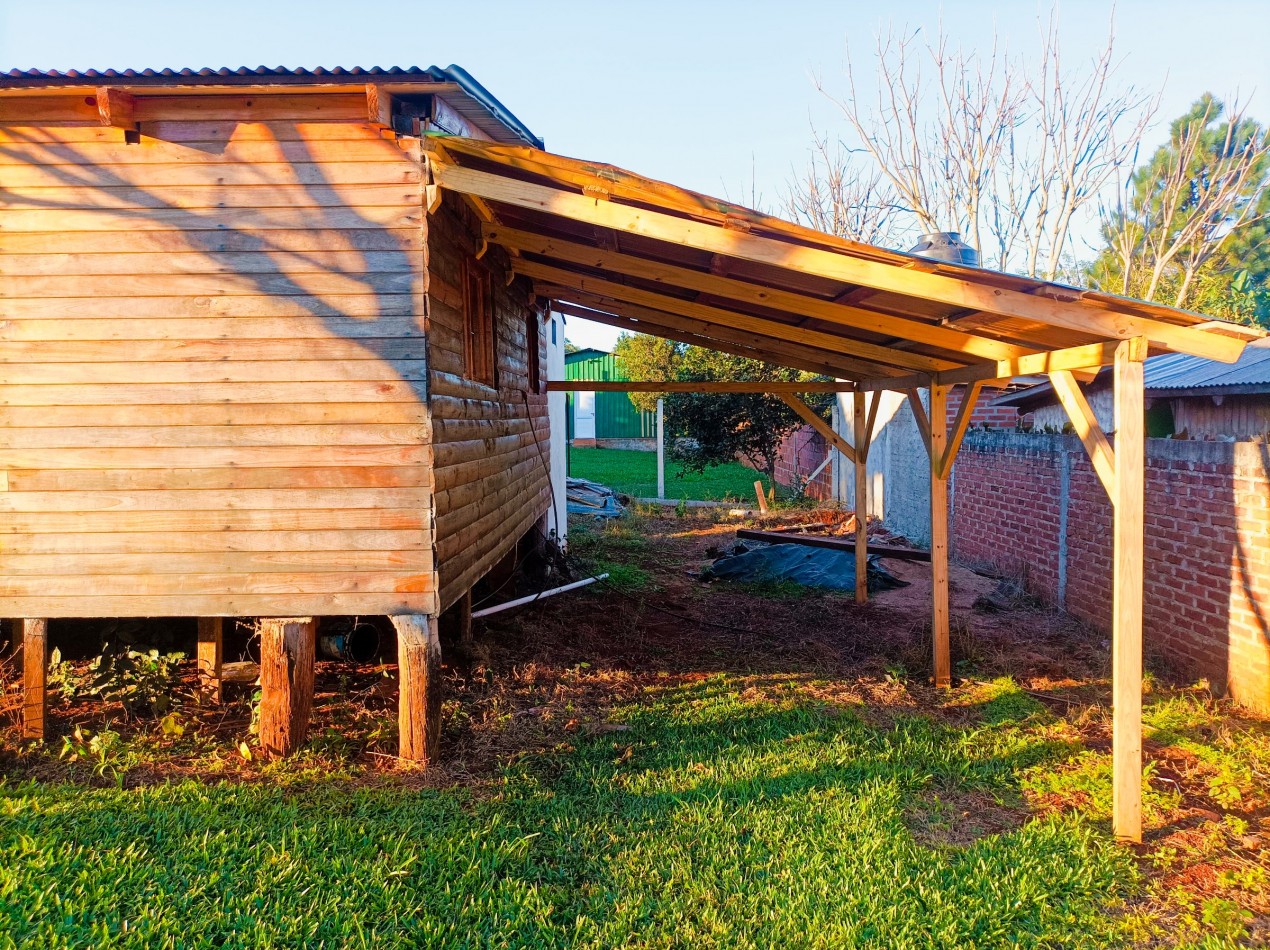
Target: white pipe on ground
[519,601]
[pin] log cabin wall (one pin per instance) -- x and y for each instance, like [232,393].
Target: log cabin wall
[491,442]
[212,360]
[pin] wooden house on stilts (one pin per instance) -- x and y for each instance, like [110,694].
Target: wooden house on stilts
[251,365]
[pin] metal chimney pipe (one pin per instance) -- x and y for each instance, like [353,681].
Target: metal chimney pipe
[946,246]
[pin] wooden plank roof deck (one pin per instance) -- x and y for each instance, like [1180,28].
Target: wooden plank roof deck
[645,255]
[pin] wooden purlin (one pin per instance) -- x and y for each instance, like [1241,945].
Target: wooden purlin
[881,356]
[801,305]
[955,290]
[613,317]
[660,322]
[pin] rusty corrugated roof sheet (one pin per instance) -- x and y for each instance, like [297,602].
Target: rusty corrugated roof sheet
[475,101]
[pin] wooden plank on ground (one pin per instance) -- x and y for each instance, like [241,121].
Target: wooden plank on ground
[837,544]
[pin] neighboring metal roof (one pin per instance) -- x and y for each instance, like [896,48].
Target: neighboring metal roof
[1176,374]
[486,105]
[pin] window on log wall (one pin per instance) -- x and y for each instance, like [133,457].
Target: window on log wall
[478,321]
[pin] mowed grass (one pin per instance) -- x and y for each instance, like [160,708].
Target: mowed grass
[709,820]
[635,473]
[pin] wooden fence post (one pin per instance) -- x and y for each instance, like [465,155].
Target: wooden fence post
[287,648]
[861,439]
[419,669]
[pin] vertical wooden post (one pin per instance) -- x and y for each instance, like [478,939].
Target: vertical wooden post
[661,448]
[938,418]
[465,621]
[861,498]
[210,650]
[419,668]
[1126,611]
[287,646]
[34,678]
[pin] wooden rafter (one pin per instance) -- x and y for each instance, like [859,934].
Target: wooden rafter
[842,365]
[116,108]
[636,321]
[881,356]
[710,386]
[800,305]
[944,288]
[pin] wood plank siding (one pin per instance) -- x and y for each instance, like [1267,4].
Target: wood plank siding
[214,365]
[491,442]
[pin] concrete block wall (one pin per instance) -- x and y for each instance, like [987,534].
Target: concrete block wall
[1032,506]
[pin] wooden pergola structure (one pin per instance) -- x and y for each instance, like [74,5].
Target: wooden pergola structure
[644,256]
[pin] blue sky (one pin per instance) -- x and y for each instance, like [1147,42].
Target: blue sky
[710,95]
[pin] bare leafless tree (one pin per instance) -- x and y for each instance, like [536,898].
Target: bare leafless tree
[1007,153]
[1198,195]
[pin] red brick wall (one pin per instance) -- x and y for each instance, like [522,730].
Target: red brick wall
[1207,530]
[801,454]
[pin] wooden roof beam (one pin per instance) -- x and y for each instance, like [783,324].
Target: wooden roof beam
[713,336]
[711,386]
[718,285]
[948,289]
[116,108]
[1073,358]
[614,317]
[869,352]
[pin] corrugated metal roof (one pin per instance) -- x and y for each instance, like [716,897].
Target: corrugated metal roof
[1176,374]
[480,106]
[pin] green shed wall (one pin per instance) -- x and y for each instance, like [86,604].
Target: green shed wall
[615,416]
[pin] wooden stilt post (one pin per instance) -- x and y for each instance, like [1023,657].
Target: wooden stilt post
[1126,611]
[938,420]
[210,644]
[465,621]
[419,667]
[287,647]
[861,440]
[34,678]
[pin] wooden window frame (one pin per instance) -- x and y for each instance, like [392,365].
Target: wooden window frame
[479,344]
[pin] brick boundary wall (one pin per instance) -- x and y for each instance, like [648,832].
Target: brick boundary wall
[1032,506]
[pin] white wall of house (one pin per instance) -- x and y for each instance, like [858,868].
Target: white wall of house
[557,517]
[898,467]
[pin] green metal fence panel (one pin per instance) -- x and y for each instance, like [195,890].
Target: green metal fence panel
[615,415]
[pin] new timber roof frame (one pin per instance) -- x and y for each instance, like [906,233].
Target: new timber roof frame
[643,255]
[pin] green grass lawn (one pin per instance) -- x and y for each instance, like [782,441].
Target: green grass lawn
[635,473]
[711,820]
[612,776]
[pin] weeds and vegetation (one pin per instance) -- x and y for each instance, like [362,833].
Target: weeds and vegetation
[635,473]
[713,773]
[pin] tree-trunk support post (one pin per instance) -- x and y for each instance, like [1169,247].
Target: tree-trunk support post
[1126,611]
[861,440]
[210,654]
[287,646]
[938,423]
[419,667]
[34,678]
[1121,469]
